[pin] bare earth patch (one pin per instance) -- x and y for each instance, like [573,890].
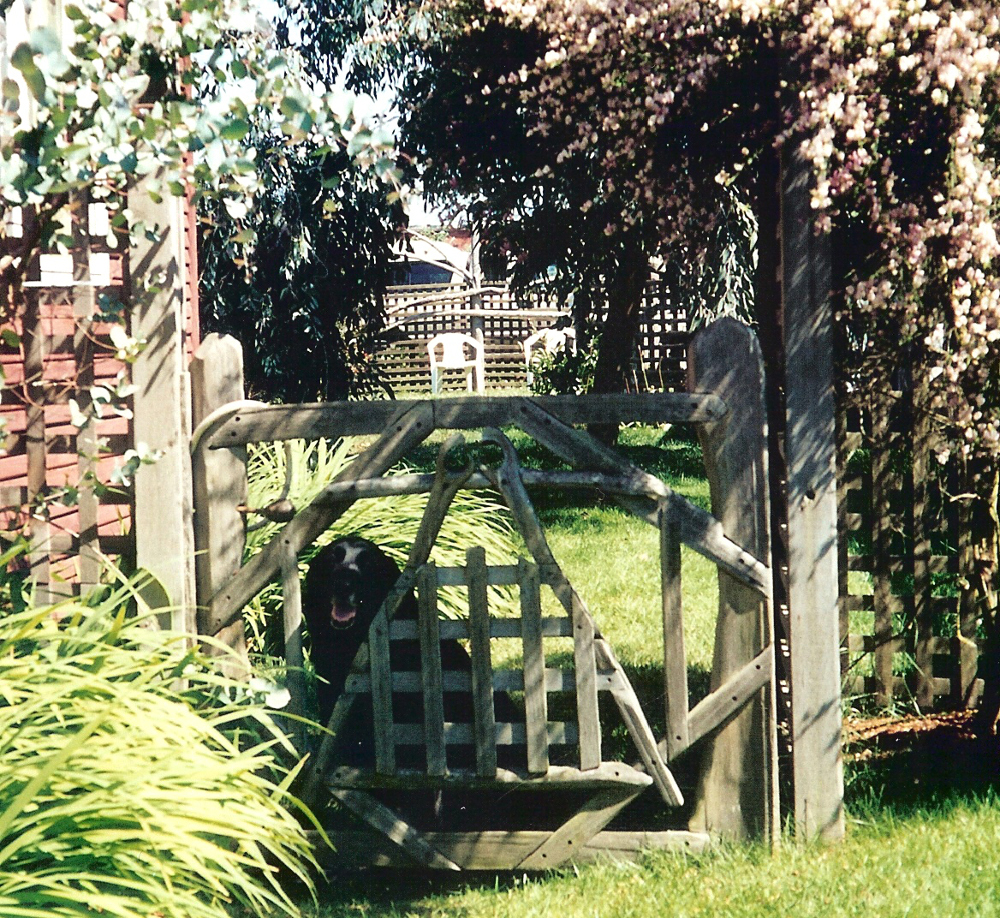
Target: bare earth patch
[919,757]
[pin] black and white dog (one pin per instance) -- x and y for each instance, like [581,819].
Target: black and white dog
[347,582]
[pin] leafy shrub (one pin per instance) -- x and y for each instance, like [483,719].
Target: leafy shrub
[133,780]
[564,372]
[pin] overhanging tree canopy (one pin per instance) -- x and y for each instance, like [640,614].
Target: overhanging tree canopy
[113,103]
[471,126]
[892,102]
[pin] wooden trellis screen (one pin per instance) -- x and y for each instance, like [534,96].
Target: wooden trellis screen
[737,790]
[62,352]
[909,631]
[416,313]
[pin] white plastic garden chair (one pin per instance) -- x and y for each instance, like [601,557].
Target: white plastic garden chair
[457,351]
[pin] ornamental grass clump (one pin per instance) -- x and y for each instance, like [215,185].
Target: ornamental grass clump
[133,780]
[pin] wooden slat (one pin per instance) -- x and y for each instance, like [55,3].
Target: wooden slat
[505,680]
[430,671]
[291,594]
[716,709]
[482,666]
[559,733]
[810,451]
[519,781]
[457,629]
[164,536]
[501,850]
[88,445]
[737,786]
[846,526]
[536,705]
[219,480]
[337,419]
[34,343]
[587,714]
[882,536]
[39,560]
[922,586]
[573,834]
[674,655]
[381,676]
[390,824]
[965,682]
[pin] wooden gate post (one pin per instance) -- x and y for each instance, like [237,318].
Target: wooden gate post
[738,792]
[220,484]
[162,424]
[810,456]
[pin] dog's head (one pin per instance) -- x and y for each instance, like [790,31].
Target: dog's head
[347,583]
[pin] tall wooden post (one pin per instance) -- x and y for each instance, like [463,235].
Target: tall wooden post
[810,455]
[738,793]
[220,484]
[477,324]
[164,541]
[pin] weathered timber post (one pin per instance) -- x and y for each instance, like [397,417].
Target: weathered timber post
[164,542]
[738,794]
[477,323]
[810,455]
[220,486]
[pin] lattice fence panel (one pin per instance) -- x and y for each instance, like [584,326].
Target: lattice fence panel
[907,639]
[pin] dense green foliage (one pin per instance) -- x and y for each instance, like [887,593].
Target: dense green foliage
[549,207]
[97,104]
[299,280]
[305,299]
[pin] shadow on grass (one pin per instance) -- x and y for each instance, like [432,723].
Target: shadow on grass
[389,892]
[903,764]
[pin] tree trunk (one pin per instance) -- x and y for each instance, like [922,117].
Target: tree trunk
[625,290]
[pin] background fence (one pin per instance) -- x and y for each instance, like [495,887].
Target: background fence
[909,629]
[417,313]
[909,636]
[60,351]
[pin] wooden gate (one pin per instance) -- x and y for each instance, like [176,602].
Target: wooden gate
[736,793]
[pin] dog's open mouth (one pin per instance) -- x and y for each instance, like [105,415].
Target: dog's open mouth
[342,615]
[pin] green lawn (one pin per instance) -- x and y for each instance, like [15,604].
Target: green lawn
[929,863]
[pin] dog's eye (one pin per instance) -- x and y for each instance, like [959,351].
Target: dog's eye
[339,553]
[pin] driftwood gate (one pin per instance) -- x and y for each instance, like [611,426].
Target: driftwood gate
[734,724]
